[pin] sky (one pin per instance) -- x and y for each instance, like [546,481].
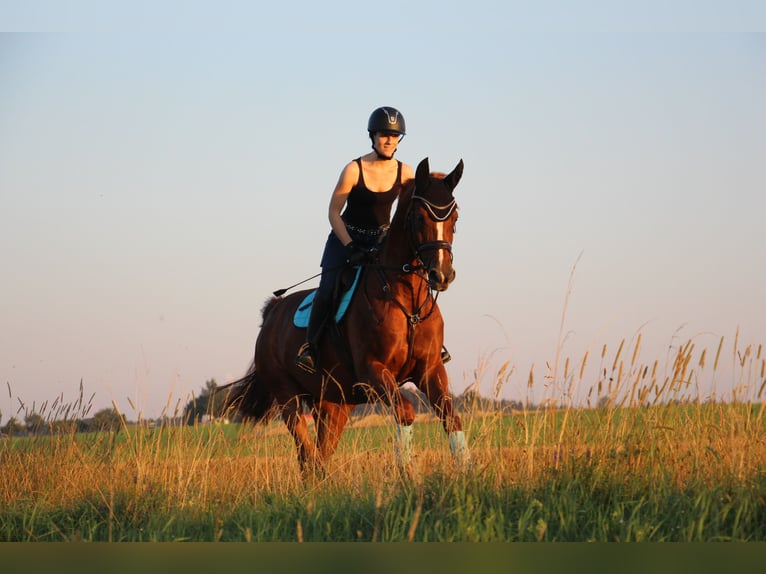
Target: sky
[162,171]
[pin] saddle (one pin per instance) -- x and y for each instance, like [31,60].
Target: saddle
[302,313]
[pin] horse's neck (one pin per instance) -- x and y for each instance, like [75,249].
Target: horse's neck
[396,251]
[395,257]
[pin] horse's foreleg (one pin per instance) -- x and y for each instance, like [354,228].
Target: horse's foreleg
[331,419]
[436,389]
[292,414]
[387,387]
[459,448]
[404,413]
[403,445]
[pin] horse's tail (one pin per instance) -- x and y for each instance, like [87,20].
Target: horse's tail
[249,397]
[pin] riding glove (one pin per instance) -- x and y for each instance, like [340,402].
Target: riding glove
[355,255]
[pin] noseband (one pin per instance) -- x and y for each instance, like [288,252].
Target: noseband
[437,213]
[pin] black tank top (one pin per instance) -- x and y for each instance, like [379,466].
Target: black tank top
[367,209]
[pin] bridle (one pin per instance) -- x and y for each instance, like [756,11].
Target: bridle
[437,213]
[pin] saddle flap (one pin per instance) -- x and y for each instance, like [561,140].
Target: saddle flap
[303,312]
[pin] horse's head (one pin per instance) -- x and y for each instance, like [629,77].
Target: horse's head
[431,219]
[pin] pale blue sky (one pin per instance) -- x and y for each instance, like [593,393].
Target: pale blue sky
[158,182]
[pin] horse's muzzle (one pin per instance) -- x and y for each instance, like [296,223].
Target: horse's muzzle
[439,280]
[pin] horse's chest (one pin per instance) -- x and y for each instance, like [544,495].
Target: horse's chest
[410,340]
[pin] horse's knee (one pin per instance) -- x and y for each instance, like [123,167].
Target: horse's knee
[404,412]
[442,405]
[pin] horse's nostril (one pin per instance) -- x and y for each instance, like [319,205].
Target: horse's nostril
[435,276]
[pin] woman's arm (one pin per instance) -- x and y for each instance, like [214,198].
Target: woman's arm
[407,173]
[346,181]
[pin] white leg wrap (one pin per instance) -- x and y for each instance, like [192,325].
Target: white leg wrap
[403,445]
[459,448]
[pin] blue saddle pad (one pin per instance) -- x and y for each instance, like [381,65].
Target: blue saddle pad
[301,317]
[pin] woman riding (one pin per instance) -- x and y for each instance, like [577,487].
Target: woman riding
[367,188]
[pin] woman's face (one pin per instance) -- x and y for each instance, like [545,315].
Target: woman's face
[386,143]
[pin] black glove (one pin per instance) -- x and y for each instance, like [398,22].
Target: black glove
[355,255]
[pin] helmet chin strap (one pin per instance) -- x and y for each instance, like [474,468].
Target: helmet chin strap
[380,155]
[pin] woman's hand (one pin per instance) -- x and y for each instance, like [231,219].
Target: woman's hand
[355,255]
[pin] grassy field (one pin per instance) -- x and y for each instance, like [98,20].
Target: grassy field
[686,473]
[644,466]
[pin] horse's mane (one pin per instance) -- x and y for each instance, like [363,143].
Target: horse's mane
[402,202]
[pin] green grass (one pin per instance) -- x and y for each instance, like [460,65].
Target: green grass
[668,473]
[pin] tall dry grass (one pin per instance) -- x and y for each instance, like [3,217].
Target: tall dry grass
[650,452]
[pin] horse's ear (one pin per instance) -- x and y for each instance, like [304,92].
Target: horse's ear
[422,172]
[453,178]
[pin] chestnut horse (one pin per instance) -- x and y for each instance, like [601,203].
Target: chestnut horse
[391,333]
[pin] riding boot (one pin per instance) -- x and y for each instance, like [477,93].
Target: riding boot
[308,354]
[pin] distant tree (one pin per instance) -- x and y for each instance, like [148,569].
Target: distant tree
[13,427]
[66,426]
[605,402]
[209,402]
[35,423]
[511,405]
[107,420]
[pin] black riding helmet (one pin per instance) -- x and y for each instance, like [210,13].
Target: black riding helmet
[387,120]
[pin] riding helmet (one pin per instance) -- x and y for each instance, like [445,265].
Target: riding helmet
[386,119]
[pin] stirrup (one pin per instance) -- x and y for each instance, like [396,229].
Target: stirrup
[305,359]
[446,357]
